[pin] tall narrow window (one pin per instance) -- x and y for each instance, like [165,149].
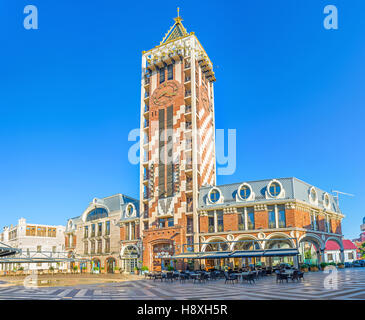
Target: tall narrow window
[100,229]
[93,230]
[127,231]
[107,228]
[170,72]
[133,231]
[86,231]
[241,218]
[86,247]
[162,75]
[211,221]
[250,219]
[220,221]
[272,223]
[282,219]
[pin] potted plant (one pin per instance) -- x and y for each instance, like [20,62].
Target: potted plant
[136,270]
[304,267]
[340,265]
[96,270]
[102,270]
[170,268]
[323,265]
[313,268]
[75,268]
[144,269]
[51,269]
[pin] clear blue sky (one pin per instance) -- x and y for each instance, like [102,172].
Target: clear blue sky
[70,93]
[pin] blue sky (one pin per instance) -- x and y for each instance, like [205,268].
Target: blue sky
[69,95]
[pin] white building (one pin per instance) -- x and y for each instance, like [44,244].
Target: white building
[333,252]
[35,240]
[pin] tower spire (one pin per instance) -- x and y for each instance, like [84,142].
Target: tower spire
[176,31]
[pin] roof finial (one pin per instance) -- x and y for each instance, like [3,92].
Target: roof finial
[178,18]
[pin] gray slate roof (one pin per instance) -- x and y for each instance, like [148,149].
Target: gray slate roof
[294,189]
[116,204]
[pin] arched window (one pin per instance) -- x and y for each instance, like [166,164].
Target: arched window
[97,213]
[274,189]
[313,194]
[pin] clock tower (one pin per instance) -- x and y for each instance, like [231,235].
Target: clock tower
[177,144]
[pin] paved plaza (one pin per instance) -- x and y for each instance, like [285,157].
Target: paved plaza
[350,285]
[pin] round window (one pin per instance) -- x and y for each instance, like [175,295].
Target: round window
[129,210]
[214,195]
[245,192]
[274,189]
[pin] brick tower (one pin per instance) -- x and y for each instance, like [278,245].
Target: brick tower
[177,143]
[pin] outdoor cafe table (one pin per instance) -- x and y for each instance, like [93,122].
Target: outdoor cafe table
[240,274]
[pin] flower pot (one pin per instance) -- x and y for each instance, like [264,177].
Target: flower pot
[304,269]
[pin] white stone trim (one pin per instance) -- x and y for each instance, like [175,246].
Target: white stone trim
[315,201]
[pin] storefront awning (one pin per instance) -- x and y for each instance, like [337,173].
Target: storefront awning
[188,255]
[215,255]
[237,254]
[281,252]
[247,254]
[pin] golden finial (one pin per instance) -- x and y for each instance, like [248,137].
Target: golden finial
[178,18]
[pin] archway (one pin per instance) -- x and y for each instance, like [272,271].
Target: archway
[95,265]
[338,245]
[110,265]
[213,245]
[246,243]
[279,240]
[311,249]
[130,255]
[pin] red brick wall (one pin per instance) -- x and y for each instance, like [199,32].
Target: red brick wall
[321,224]
[261,220]
[230,221]
[203,224]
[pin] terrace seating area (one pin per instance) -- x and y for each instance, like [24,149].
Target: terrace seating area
[249,275]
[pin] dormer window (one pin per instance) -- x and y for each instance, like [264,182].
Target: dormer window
[129,210]
[245,193]
[274,189]
[214,196]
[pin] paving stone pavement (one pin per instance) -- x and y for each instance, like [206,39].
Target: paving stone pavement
[350,286]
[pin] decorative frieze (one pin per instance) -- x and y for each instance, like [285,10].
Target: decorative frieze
[260,207]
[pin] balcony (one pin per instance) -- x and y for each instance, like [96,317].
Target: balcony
[187,93]
[188,125]
[188,109]
[146,81]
